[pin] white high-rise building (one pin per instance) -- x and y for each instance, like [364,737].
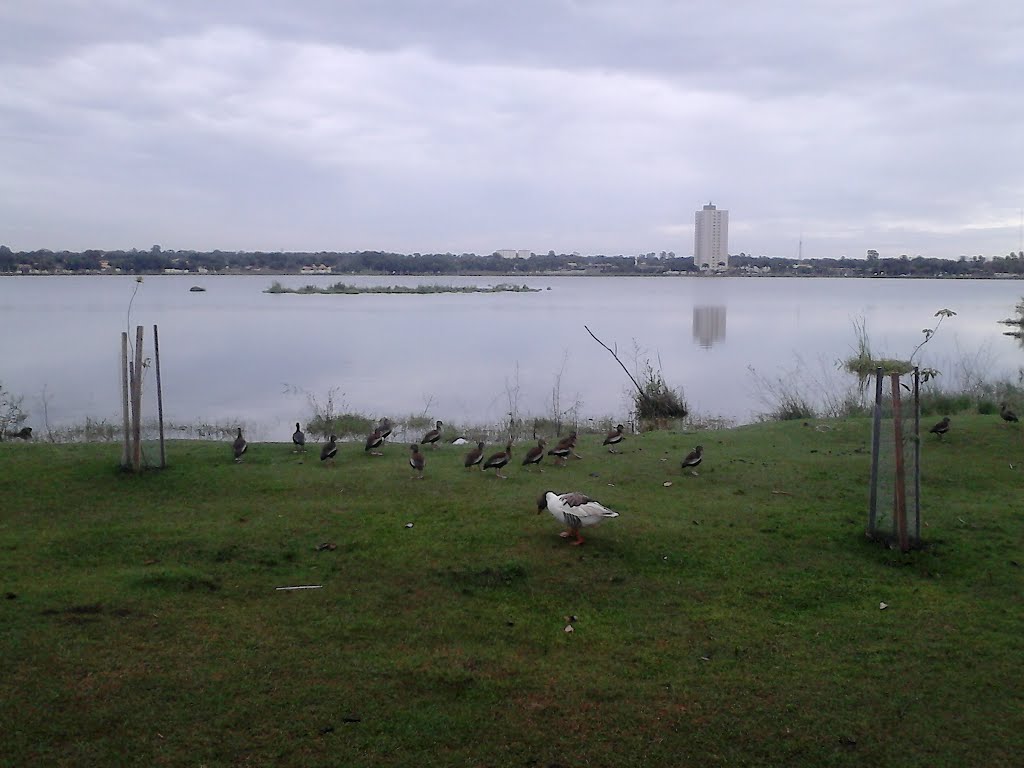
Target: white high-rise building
[711,239]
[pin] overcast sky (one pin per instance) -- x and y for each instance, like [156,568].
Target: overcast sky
[596,126]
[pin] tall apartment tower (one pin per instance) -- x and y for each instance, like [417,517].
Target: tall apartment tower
[711,239]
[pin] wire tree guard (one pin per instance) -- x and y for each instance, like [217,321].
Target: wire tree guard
[132,456]
[894,510]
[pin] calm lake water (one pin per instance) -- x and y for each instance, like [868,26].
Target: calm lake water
[234,354]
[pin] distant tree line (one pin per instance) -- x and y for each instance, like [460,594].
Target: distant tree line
[156,260]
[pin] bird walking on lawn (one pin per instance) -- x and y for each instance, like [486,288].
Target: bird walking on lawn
[941,428]
[239,446]
[416,461]
[299,439]
[574,510]
[693,458]
[374,440]
[564,449]
[615,437]
[432,436]
[498,460]
[1007,414]
[475,457]
[535,454]
[329,450]
[384,427]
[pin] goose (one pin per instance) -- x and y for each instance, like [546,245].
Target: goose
[535,454]
[564,449]
[1007,414]
[432,436]
[239,446]
[475,457]
[299,438]
[693,458]
[574,510]
[498,460]
[374,440]
[330,450]
[384,427]
[416,460]
[941,428]
[615,437]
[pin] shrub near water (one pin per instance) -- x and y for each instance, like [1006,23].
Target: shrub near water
[730,618]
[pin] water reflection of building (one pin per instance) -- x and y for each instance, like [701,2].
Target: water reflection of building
[709,325]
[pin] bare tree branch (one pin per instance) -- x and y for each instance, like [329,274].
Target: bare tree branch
[612,353]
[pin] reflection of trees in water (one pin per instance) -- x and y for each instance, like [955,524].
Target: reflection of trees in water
[709,324]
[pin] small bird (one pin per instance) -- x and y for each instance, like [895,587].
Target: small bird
[574,510]
[693,458]
[564,449]
[535,454]
[384,427]
[432,436]
[239,446]
[615,437]
[416,460]
[941,428]
[498,460]
[299,439]
[1007,414]
[374,440]
[329,450]
[475,457]
[25,433]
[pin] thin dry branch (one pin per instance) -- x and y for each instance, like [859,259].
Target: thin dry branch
[612,353]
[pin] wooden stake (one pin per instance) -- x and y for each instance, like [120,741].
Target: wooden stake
[159,396]
[876,436]
[917,454]
[901,473]
[126,452]
[137,403]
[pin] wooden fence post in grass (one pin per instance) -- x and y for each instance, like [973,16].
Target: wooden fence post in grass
[126,451]
[137,403]
[901,472]
[876,437]
[159,395]
[917,453]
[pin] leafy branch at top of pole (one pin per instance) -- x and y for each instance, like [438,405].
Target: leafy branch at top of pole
[942,314]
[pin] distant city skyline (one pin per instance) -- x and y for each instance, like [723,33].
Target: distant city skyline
[460,127]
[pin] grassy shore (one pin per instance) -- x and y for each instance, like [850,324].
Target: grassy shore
[731,618]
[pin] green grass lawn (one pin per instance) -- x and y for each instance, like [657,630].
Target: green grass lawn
[728,619]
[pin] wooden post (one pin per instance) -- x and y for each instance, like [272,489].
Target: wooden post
[137,403]
[917,455]
[876,435]
[159,395]
[126,452]
[901,473]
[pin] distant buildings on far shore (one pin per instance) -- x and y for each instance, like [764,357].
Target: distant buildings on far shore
[711,239]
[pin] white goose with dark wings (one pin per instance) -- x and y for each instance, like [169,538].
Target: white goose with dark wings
[574,510]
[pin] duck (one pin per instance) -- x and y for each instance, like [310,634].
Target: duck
[535,454]
[25,433]
[498,460]
[475,457]
[384,427]
[416,461]
[1007,414]
[374,440]
[574,510]
[239,446]
[693,458]
[615,437]
[941,428]
[329,450]
[299,438]
[564,449]
[432,436]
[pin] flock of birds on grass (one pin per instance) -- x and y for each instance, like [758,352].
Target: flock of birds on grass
[942,427]
[574,510]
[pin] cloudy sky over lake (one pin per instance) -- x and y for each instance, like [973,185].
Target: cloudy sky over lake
[596,126]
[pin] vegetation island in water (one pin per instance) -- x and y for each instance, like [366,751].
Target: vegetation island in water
[276,287]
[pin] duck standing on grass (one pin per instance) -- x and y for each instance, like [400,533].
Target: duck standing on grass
[329,451]
[574,510]
[416,461]
[498,460]
[1006,414]
[384,427]
[693,459]
[299,439]
[615,437]
[564,449]
[475,457]
[941,428]
[374,440]
[432,436]
[535,454]
[239,446]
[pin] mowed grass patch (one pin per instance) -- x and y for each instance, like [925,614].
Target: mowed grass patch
[728,618]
